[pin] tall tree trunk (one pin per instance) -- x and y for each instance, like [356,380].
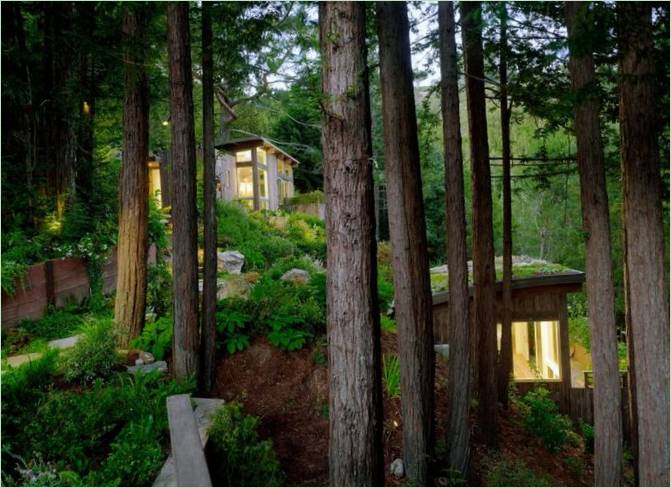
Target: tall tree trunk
[209,308]
[505,366]
[353,318]
[86,20]
[647,298]
[458,325]
[600,292]
[483,241]
[131,289]
[184,218]
[407,228]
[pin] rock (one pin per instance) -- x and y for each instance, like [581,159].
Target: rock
[139,362]
[296,275]
[230,261]
[150,317]
[146,357]
[161,366]
[396,468]
[442,350]
[66,343]
[252,277]
[233,286]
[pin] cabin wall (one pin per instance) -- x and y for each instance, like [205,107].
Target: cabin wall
[225,173]
[273,197]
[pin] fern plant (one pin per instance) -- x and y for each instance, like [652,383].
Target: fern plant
[284,335]
[232,325]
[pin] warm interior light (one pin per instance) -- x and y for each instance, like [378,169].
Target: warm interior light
[86,108]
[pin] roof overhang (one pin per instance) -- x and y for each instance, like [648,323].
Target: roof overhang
[249,142]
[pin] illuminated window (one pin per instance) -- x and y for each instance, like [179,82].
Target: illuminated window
[243,156]
[263,183]
[261,155]
[245,182]
[535,350]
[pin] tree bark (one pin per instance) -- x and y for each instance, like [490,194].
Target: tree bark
[483,240]
[131,289]
[596,224]
[353,318]
[184,218]
[505,366]
[458,325]
[407,228]
[209,308]
[647,297]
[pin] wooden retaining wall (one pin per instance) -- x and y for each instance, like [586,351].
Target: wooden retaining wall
[55,282]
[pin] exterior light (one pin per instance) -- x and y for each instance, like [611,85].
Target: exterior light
[86,108]
[165,123]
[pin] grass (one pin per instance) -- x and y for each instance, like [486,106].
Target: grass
[391,375]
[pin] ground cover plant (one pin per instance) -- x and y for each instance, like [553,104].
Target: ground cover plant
[113,432]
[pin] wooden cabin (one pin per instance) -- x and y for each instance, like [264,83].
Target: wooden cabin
[542,349]
[254,172]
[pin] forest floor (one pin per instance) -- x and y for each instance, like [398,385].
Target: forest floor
[288,391]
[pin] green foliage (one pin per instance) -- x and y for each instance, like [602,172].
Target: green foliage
[242,458]
[513,473]
[94,355]
[18,251]
[156,337]
[385,293]
[316,196]
[542,419]
[587,431]
[286,332]
[156,226]
[391,375]
[159,289]
[387,323]
[575,465]
[231,324]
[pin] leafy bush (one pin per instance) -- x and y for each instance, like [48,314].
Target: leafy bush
[94,355]
[156,337]
[385,293]
[391,375]
[286,332]
[159,289]
[587,431]
[232,324]
[513,473]
[111,434]
[242,459]
[542,419]
[316,196]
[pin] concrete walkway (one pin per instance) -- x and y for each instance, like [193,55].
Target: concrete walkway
[66,343]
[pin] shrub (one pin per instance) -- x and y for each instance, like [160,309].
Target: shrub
[391,375]
[543,420]
[587,431]
[156,337]
[242,459]
[94,355]
[232,325]
[316,196]
[159,289]
[387,323]
[286,332]
[385,293]
[513,473]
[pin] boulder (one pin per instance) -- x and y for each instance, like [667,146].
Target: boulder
[397,469]
[146,357]
[233,286]
[161,366]
[296,275]
[230,261]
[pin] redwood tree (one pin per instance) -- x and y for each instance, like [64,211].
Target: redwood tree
[353,320]
[209,308]
[131,289]
[184,218]
[505,365]
[407,230]
[596,223]
[483,241]
[647,287]
[458,328]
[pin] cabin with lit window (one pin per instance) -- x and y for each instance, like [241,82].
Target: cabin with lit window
[543,351]
[254,172]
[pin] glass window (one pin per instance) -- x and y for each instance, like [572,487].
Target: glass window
[536,350]
[263,183]
[261,155]
[245,182]
[243,156]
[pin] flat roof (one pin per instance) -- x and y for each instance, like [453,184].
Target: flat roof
[247,142]
[528,272]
